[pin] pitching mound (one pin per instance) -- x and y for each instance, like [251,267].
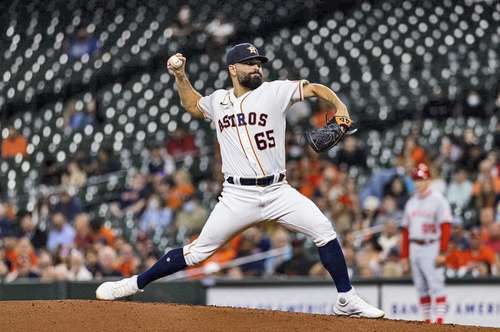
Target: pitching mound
[132,316]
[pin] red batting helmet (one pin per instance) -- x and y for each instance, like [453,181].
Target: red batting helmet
[421,172]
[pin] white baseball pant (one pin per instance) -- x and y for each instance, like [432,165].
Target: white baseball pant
[240,207]
[428,279]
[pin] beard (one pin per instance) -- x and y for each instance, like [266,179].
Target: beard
[250,81]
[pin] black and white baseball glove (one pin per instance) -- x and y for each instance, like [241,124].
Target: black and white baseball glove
[323,139]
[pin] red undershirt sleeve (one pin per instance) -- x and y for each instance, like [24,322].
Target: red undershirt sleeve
[445,236]
[405,243]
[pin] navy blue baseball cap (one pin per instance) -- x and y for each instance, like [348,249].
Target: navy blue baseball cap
[243,52]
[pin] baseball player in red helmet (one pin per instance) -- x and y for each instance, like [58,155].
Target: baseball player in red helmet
[426,231]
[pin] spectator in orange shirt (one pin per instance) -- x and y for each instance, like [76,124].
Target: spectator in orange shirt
[480,253]
[182,190]
[14,144]
[457,259]
[477,260]
[24,269]
[458,242]
[413,151]
[101,233]
[324,113]
[22,248]
[486,195]
[127,262]
[310,167]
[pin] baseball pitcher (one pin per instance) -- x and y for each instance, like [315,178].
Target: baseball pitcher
[250,124]
[426,231]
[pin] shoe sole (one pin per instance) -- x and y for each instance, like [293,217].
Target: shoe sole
[355,314]
[101,298]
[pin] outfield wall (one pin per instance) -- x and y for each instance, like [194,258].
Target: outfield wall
[471,302]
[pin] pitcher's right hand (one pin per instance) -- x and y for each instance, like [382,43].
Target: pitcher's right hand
[177,71]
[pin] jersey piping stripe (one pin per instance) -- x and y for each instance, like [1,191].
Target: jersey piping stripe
[301,90]
[239,139]
[248,134]
[243,149]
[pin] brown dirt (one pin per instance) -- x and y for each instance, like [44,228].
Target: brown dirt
[73,315]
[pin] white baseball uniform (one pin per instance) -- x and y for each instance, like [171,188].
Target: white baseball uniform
[423,216]
[251,134]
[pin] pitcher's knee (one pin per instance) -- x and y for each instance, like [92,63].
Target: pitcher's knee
[193,255]
[323,238]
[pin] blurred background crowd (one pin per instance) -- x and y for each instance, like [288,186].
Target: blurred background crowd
[101,171]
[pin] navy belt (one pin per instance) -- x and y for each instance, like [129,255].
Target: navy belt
[422,242]
[263,181]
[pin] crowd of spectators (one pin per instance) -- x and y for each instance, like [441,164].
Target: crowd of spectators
[61,238]
[163,204]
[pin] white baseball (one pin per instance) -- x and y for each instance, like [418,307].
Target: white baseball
[175,62]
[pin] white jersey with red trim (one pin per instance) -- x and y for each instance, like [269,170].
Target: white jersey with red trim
[251,128]
[423,215]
